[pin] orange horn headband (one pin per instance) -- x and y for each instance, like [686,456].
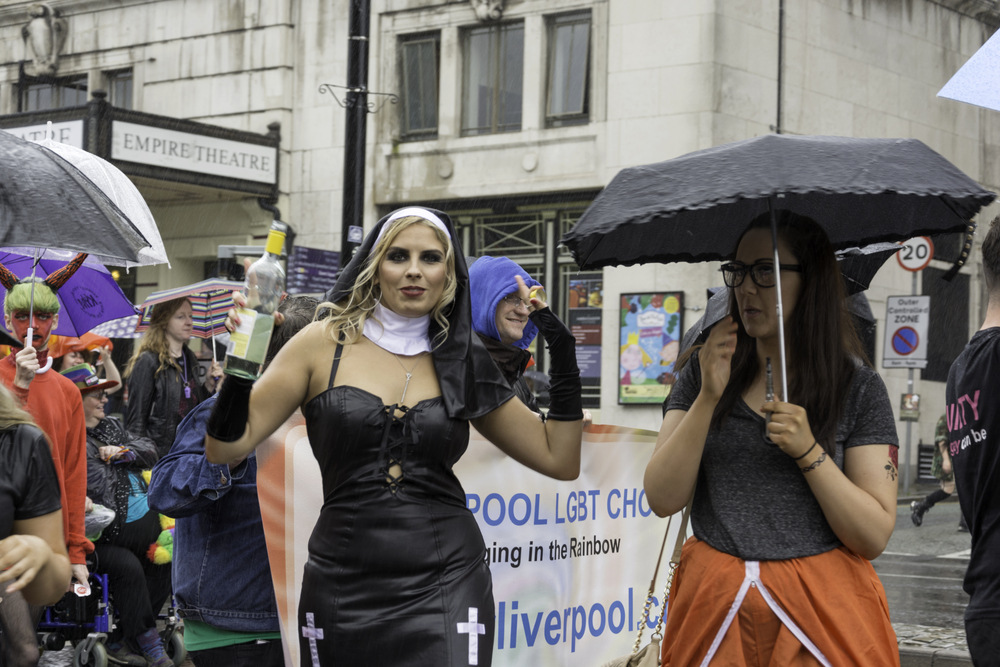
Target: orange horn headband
[7,279]
[59,277]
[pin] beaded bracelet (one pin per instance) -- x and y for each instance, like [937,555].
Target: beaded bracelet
[807,451]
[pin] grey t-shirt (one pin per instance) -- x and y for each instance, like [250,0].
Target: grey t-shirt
[752,501]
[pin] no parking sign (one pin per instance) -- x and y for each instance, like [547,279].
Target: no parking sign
[906,320]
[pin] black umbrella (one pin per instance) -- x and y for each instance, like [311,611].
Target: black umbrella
[694,208]
[46,202]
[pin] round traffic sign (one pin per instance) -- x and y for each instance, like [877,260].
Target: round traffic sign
[916,253]
[905,340]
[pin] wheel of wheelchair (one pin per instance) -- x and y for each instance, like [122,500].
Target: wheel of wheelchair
[175,648]
[53,641]
[98,656]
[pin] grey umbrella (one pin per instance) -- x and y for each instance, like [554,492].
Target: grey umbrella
[46,202]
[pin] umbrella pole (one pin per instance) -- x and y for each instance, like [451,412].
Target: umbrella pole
[29,335]
[213,345]
[777,285]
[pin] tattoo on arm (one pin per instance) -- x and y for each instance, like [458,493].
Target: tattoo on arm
[892,466]
[815,464]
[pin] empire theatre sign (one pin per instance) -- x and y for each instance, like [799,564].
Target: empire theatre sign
[158,147]
[191,152]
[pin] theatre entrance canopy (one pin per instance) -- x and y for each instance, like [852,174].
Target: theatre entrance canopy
[205,185]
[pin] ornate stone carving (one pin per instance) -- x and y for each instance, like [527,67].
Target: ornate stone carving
[46,34]
[488,10]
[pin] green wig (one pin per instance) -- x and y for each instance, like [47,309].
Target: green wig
[19,291]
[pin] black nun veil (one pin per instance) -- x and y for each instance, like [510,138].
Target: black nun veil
[471,383]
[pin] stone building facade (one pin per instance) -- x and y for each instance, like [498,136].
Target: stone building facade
[515,123]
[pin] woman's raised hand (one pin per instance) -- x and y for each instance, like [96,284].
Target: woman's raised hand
[716,358]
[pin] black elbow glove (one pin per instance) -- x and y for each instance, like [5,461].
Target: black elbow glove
[228,420]
[565,390]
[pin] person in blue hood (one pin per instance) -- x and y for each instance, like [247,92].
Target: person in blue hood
[502,320]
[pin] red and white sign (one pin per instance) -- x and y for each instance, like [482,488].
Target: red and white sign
[906,322]
[916,253]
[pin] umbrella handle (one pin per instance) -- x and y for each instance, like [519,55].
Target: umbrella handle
[29,336]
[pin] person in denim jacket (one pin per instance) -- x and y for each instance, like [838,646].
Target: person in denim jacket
[222,580]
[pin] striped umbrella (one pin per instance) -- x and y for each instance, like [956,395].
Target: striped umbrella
[210,300]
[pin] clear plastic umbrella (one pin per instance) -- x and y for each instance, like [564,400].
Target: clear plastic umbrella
[123,193]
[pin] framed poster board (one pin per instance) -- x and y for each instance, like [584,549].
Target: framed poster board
[651,328]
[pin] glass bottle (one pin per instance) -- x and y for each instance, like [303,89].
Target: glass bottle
[265,283]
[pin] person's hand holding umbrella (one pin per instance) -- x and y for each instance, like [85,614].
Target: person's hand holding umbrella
[789,428]
[27,365]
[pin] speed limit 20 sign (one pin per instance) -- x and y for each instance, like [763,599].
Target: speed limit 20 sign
[916,254]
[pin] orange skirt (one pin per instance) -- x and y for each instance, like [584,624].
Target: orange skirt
[835,599]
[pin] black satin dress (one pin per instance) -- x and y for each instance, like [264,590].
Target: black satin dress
[395,567]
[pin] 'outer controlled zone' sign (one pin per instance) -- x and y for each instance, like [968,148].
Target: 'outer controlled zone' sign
[906,320]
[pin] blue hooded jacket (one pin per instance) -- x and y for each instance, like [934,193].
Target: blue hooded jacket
[490,280]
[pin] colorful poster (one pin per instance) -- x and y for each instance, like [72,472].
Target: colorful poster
[571,561]
[651,329]
[584,301]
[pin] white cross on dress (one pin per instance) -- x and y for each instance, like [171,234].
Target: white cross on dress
[473,628]
[312,633]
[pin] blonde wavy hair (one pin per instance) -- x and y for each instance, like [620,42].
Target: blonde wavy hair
[346,318]
[11,413]
[155,340]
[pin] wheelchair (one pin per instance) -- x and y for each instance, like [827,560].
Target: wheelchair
[88,623]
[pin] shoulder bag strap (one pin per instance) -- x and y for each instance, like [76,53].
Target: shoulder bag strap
[675,559]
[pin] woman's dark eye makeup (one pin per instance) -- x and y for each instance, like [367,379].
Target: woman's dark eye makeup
[431,257]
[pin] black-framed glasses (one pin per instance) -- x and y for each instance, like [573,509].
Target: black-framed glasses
[762,272]
[513,300]
[99,395]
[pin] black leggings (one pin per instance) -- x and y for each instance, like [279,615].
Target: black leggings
[139,586]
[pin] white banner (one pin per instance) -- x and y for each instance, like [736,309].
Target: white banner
[571,561]
[69,132]
[193,152]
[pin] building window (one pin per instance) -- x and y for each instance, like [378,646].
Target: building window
[493,77]
[569,70]
[120,88]
[41,93]
[419,72]
[948,329]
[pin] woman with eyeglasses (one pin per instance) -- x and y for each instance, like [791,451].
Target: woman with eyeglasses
[115,463]
[793,496]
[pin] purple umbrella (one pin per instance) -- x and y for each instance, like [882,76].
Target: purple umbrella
[89,298]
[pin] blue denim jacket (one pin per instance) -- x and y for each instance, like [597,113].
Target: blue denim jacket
[220,569]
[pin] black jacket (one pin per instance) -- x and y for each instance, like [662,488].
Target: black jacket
[103,477]
[154,399]
[512,361]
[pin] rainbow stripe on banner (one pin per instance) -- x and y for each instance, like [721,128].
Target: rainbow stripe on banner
[210,301]
[571,561]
